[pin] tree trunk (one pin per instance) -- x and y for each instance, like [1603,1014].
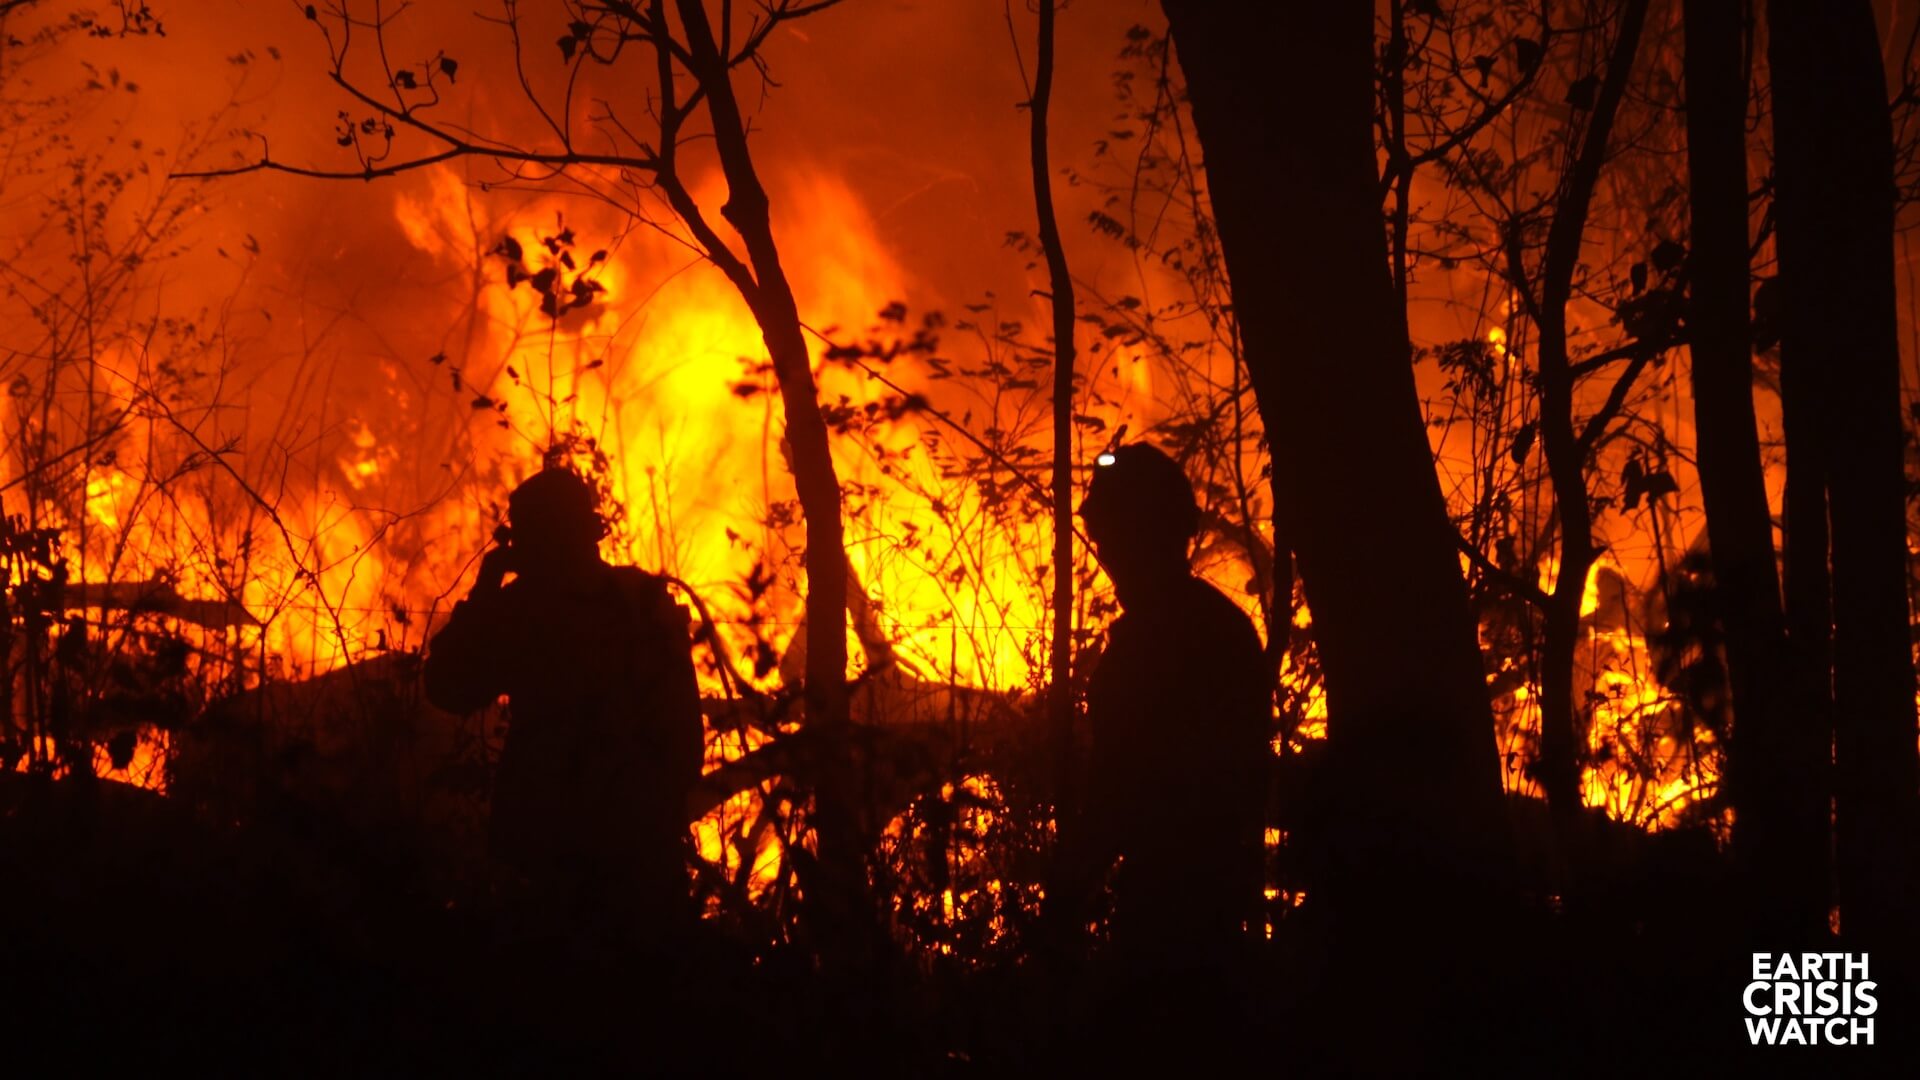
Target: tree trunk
[1779,834]
[773,307]
[1282,99]
[1835,208]
[837,893]
[1060,281]
[1562,735]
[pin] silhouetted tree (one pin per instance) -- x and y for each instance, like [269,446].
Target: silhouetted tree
[1568,447]
[1060,282]
[1773,769]
[1834,204]
[1294,186]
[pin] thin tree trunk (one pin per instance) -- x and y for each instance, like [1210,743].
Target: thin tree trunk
[1835,207]
[1060,693]
[838,892]
[1562,735]
[771,300]
[1779,833]
[1399,171]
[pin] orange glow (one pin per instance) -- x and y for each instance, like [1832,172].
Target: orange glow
[372,431]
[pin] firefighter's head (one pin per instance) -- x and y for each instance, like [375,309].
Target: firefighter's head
[556,521]
[1139,513]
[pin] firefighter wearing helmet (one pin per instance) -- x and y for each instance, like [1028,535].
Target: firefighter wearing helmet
[1179,706]
[604,734]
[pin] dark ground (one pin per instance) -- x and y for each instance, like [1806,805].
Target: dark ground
[132,934]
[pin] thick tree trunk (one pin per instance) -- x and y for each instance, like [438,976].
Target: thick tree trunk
[1835,208]
[1779,831]
[1282,99]
[1808,585]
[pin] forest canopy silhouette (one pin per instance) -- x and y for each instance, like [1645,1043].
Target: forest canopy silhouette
[1176,515]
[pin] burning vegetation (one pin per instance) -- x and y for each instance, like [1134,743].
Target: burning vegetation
[295,298]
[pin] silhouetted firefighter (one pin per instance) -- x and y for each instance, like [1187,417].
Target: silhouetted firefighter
[1179,707]
[604,736]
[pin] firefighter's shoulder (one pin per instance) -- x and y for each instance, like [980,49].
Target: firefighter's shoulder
[649,595]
